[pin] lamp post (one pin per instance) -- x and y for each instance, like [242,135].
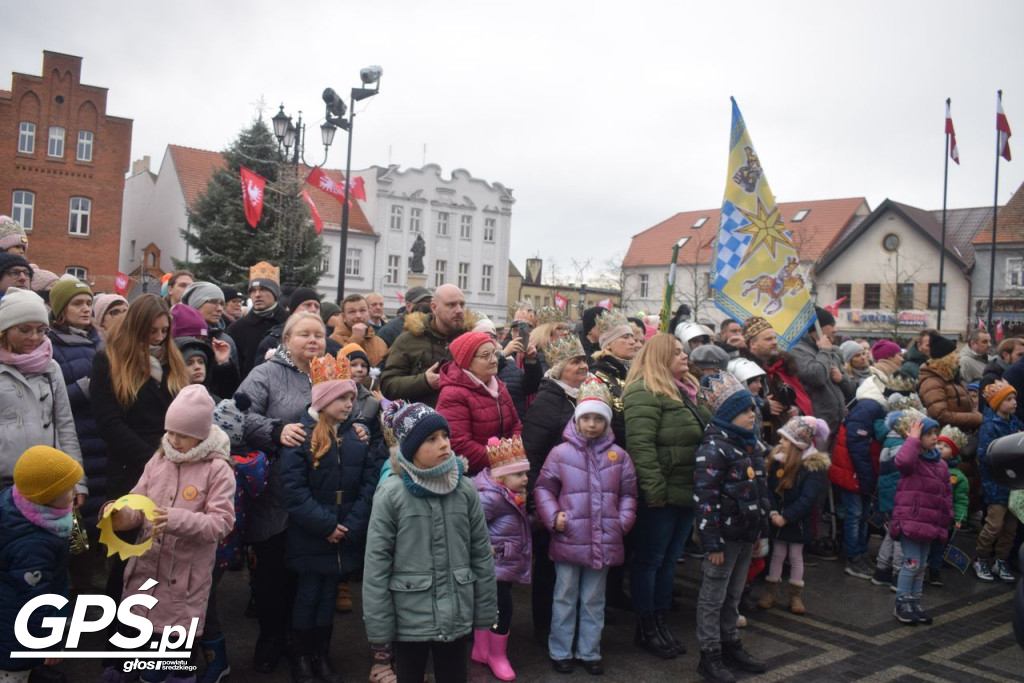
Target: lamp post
[583,299]
[336,117]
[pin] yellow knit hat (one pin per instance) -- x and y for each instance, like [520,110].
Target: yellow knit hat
[43,473]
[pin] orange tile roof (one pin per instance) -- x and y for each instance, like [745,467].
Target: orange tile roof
[825,219]
[196,166]
[1009,222]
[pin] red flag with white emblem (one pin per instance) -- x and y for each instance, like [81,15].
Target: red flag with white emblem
[954,153]
[252,195]
[121,281]
[560,302]
[356,189]
[317,221]
[1003,126]
[320,180]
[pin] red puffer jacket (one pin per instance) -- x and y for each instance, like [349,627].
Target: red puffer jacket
[474,415]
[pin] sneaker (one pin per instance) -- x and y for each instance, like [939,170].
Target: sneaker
[982,571]
[922,615]
[935,578]
[858,567]
[1002,572]
[904,610]
[882,577]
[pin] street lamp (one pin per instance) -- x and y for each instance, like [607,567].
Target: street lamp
[583,298]
[336,117]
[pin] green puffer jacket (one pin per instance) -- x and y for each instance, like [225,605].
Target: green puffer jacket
[429,570]
[662,437]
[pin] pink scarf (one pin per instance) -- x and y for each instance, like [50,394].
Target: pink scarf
[31,363]
[491,387]
[688,389]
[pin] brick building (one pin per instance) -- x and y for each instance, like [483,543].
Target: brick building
[62,166]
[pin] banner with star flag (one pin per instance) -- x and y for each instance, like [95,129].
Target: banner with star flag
[756,268]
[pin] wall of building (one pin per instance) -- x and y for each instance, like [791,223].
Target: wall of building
[1009,299]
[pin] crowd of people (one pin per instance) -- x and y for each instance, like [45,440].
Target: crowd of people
[437,460]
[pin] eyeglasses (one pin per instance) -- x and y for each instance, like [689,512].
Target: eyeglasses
[487,356]
[27,331]
[116,312]
[18,272]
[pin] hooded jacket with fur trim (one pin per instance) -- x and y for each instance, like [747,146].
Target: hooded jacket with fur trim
[418,347]
[796,504]
[944,398]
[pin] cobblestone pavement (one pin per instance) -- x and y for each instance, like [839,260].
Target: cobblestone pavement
[848,634]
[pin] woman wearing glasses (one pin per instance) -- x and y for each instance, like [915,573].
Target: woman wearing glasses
[475,402]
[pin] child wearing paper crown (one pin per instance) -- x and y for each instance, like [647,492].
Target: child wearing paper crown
[191,482]
[995,540]
[502,490]
[584,476]
[951,443]
[328,484]
[35,522]
[797,478]
[428,552]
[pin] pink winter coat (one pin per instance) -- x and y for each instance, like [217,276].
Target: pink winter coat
[474,415]
[199,498]
[923,506]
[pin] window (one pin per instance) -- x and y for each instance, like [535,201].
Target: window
[645,286]
[325,264]
[394,261]
[1015,272]
[800,215]
[442,223]
[78,220]
[27,137]
[700,222]
[56,143]
[872,296]
[77,271]
[489,224]
[485,278]
[440,272]
[466,227]
[905,292]
[463,276]
[23,204]
[414,219]
[844,291]
[396,217]
[84,145]
[353,259]
[933,296]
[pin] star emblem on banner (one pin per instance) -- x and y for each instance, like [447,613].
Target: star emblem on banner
[766,228]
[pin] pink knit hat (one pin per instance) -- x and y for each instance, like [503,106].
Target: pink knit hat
[191,413]
[332,378]
[101,303]
[464,348]
[188,322]
[883,348]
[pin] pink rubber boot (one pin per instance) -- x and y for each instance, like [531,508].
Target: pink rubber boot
[481,646]
[498,660]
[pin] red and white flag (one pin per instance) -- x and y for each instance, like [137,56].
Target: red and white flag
[999,331]
[401,298]
[121,281]
[605,304]
[252,195]
[833,307]
[1003,126]
[320,180]
[317,221]
[356,188]
[981,324]
[954,153]
[560,302]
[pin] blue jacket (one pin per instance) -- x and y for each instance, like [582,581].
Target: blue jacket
[33,562]
[860,430]
[796,503]
[991,429]
[311,495]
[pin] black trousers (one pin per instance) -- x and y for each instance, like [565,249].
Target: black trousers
[542,584]
[504,608]
[451,664]
[273,587]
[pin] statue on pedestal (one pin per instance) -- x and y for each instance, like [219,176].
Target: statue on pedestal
[419,248]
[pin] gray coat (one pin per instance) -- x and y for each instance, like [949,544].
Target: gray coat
[280,394]
[813,368]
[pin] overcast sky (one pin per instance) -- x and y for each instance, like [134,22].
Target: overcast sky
[604,117]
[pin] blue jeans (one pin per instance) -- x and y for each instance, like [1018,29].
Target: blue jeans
[915,559]
[659,536]
[583,587]
[855,523]
[936,555]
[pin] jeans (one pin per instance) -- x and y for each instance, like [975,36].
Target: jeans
[721,587]
[890,554]
[915,555]
[582,586]
[855,523]
[314,600]
[660,534]
[936,555]
[450,661]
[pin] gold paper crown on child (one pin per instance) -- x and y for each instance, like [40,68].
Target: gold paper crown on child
[594,389]
[329,369]
[504,452]
[958,438]
[610,320]
[265,271]
[549,314]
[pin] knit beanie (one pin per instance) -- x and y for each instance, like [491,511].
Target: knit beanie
[66,289]
[486,325]
[332,378]
[900,421]
[8,261]
[590,318]
[806,433]
[267,284]
[710,357]
[192,346]
[593,399]
[506,456]
[725,395]
[229,415]
[388,410]
[939,346]
[994,394]
[22,306]
[560,352]
[464,347]
[883,348]
[43,473]
[11,233]
[612,325]
[230,293]
[198,293]
[824,317]
[301,295]
[328,309]
[42,279]
[754,326]
[353,351]
[849,349]
[191,413]
[412,424]
[103,302]
[188,322]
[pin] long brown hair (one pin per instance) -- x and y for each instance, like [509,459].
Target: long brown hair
[790,464]
[128,351]
[325,434]
[651,367]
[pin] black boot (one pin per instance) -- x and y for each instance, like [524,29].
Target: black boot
[666,634]
[267,653]
[734,655]
[322,667]
[302,660]
[649,637]
[712,668]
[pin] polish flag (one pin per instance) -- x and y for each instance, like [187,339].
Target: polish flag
[605,304]
[560,302]
[1003,126]
[954,153]
[317,221]
[252,195]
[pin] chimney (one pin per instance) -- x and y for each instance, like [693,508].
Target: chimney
[140,165]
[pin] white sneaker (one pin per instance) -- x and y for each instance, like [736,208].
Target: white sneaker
[982,571]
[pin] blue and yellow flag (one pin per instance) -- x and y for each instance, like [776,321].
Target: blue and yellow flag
[756,267]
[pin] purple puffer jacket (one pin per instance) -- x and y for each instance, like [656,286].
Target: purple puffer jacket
[594,484]
[924,496]
[509,528]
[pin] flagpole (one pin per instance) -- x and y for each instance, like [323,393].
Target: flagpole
[670,287]
[995,208]
[942,251]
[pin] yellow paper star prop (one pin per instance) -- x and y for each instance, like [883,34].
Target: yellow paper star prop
[114,544]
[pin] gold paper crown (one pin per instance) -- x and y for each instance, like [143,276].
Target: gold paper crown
[563,349]
[502,452]
[549,314]
[594,389]
[329,369]
[265,271]
[609,320]
[955,435]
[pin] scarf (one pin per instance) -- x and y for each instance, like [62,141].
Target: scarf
[746,436]
[688,389]
[491,387]
[156,369]
[216,443]
[286,357]
[55,520]
[31,363]
[266,312]
[571,392]
[436,481]
[931,456]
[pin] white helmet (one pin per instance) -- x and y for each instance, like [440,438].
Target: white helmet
[687,330]
[745,369]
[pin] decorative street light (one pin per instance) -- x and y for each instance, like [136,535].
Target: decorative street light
[583,298]
[336,117]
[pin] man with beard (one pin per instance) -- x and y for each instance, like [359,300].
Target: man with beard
[782,390]
[355,328]
[417,300]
